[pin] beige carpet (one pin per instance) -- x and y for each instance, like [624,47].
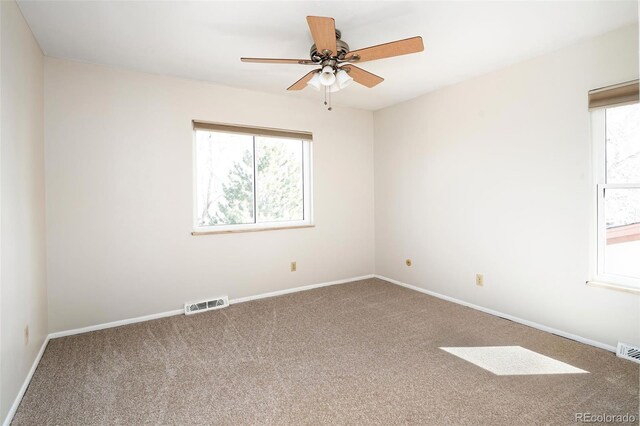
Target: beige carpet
[358,353]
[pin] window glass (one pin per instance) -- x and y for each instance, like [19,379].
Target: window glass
[623,144]
[224,178]
[622,217]
[279,180]
[619,197]
[250,180]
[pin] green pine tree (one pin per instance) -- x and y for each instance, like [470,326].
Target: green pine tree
[279,188]
[279,183]
[237,203]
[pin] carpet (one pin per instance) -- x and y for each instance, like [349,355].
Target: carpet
[366,352]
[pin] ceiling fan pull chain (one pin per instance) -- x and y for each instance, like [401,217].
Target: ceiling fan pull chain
[329,99]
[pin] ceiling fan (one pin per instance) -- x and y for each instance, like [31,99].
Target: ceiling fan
[332,55]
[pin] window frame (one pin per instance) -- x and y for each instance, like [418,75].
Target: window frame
[307,192]
[599,238]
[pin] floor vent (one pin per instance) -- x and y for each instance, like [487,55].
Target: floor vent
[630,352]
[206,305]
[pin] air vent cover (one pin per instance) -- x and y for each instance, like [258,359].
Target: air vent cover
[206,305]
[630,352]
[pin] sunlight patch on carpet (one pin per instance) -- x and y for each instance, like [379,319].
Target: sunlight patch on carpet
[512,360]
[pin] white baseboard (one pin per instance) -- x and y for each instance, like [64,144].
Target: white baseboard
[502,315]
[25,385]
[115,324]
[181,311]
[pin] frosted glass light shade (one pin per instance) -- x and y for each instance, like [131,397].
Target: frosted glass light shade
[315,81]
[344,79]
[327,77]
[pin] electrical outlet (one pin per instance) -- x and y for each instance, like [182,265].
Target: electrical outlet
[479,280]
[26,335]
[294,266]
[407,262]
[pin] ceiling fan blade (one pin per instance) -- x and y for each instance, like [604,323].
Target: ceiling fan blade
[323,31]
[302,83]
[279,61]
[388,50]
[363,77]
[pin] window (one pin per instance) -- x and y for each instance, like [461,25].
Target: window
[250,178]
[616,130]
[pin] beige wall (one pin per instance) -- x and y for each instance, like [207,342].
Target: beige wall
[22,230]
[492,176]
[119,196]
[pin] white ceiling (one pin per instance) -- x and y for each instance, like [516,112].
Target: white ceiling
[204,40]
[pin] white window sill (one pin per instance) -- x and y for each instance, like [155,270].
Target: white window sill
[241,230]
[617,287]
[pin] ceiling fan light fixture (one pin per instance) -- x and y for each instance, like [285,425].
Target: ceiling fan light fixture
[315,81]
[343,79]
[329,52]
[327,77]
